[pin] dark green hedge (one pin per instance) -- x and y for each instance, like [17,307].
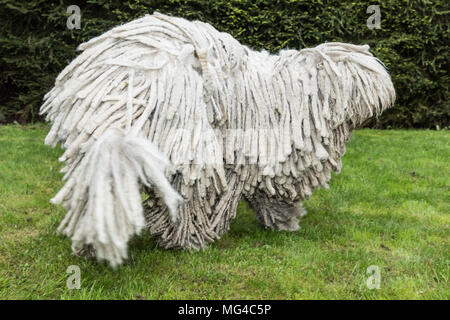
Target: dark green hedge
[413,42]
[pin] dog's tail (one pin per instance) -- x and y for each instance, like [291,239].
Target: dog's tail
[102,193]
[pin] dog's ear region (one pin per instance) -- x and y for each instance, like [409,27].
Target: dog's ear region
[354,85]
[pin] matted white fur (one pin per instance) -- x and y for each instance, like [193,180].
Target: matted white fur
[232,122]
[102,193]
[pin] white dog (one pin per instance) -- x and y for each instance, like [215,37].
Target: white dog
[186,111]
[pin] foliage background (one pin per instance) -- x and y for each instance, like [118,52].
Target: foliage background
[413,41]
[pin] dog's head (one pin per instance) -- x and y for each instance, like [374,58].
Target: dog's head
[352,85]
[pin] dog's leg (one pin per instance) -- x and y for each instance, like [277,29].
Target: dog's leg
[192,230]
[87,252]
[202,219]
[277,214]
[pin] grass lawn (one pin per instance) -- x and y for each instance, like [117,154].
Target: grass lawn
[389,208]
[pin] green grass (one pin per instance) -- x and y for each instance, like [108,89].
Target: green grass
[389,207]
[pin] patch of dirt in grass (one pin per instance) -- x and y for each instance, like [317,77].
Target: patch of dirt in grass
[227,243]
[15,236]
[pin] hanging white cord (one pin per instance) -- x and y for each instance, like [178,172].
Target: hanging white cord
[130,100]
